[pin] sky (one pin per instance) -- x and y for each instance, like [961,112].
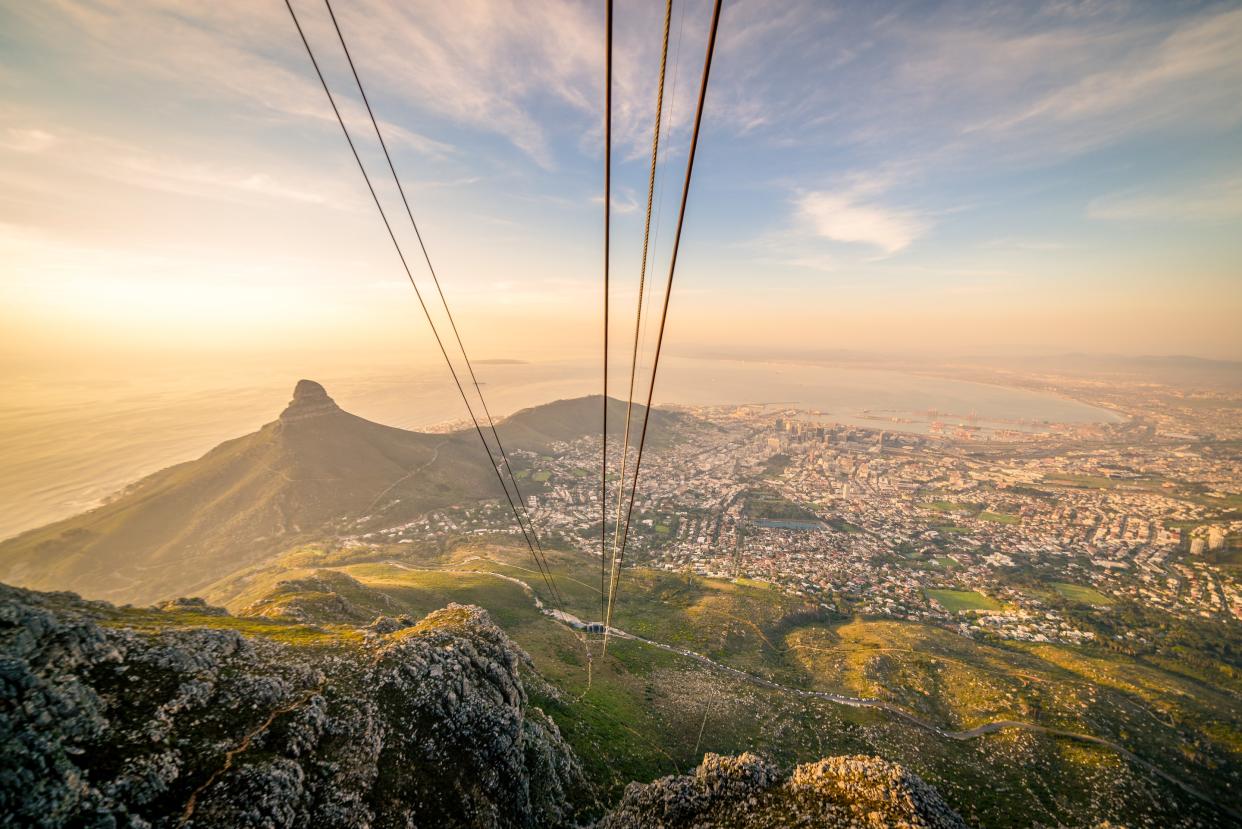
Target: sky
[898,177]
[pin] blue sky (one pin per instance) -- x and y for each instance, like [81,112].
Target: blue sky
[908,176]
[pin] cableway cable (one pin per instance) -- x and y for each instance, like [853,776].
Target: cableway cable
[642,281]
[668,290]
[436,280]
[603,464]
[422,303]
[667,128]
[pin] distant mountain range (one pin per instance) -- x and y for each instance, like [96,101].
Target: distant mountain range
[295,478]
[1173,369]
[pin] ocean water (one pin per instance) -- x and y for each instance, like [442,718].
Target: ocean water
[65,446]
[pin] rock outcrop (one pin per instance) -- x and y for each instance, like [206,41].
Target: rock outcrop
[123,717]
[428,725]
[324,596]
[746,792]
[309,400]
[194,604]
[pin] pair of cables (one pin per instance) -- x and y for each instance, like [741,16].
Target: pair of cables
[625,506]
[609,586]
[520,513]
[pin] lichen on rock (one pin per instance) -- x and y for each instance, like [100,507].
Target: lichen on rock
[426,725]
[748,792]
[111,723]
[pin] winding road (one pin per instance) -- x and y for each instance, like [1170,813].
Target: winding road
[569,620]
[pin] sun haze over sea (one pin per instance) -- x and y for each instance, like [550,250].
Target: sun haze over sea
[65,446]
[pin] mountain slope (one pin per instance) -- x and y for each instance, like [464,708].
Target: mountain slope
[295,479]
[537,428]
[191,523]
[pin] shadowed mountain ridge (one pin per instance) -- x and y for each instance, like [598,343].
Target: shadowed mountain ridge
[298,477]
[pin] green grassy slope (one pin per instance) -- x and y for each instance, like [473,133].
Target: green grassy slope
[641,711]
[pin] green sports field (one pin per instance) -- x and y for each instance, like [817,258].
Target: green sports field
[955,601]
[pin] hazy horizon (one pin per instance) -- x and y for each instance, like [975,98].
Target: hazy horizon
[67,446]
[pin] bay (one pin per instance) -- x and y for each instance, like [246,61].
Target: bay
[66,445]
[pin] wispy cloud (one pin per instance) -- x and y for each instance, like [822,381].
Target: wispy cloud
[842,218]
[811,262]
[928,81]
[66,154]
[941,86]
[203,180]
[1154,79]
[496,67]
[1205,201]
[449,184]
[27,140]
[244,55]
[1011,243]
[624,200]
